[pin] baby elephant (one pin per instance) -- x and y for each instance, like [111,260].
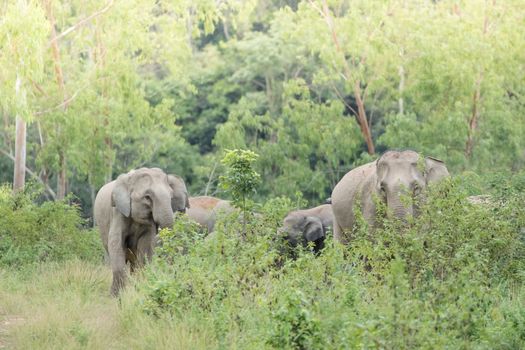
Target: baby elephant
[308,225]
[204,210]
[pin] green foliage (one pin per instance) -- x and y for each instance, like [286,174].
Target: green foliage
[31,233]
[200,77]
[453,277]
[294,326]
[240,179]
[23,40]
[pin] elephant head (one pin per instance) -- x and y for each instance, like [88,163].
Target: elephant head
[150,196]
[405,174]
[301,229]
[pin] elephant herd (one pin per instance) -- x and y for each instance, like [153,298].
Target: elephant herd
[130,210]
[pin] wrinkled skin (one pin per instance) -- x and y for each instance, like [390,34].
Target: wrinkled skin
[394,175]
[128,212]
[308,225]
[204,210]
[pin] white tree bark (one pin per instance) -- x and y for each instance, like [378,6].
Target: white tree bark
[19,177]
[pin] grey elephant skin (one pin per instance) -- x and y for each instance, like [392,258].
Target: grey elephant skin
[308,225]
[394,174]
[128,212]
[204,210]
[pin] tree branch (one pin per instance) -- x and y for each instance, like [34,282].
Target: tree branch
[81,23]
[355,82]
[64,103]
[338,93]
[30,172]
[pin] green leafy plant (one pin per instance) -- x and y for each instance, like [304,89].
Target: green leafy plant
[241,179]
[32,233]
[294,326]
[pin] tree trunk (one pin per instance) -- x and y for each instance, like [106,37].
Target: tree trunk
[474,117]
[361,116]
[49,190]
[19,177]
[473,121]
[62,178]
[62,173]
[7,137]
[92,194]
[358,95]
[401,88]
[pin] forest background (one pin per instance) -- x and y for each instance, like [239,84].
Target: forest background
[314,87]
[93,88]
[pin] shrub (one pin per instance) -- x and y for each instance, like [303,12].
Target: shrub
[452,278]
[294,327]
[32,233]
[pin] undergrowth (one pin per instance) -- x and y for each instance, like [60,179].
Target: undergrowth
[32,233]
[452,278]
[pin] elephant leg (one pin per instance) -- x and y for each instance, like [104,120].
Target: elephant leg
[116,252]
[145,246]
[117,258]
[339,233]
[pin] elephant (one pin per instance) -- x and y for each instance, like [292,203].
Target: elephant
[128,212]
[394,174]
[308,225]
[204,210]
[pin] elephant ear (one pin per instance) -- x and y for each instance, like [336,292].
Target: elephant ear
[435,170]
[313,229]
[121,196]
[180,200]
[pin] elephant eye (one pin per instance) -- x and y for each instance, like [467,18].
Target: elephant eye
[148,198]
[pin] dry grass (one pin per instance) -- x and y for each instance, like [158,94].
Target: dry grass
[67,306]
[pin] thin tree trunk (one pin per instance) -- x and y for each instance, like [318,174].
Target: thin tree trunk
[473,121]
[225,28]
[401,88]
[189,28]
[7,136]
[32,173]
[19,177]
[93,196]
[210,179]
[358,94]
[361,116]
[62,173]
[476,99]
[62,178]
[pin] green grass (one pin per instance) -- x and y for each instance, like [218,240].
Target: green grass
[454,278]
[67,306]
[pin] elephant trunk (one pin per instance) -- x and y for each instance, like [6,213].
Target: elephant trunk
[162,212]
[399,210]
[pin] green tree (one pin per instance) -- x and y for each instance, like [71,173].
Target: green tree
[240,179]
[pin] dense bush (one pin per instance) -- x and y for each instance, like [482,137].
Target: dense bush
[32,233]
[451,278]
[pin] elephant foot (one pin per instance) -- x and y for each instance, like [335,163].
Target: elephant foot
[119,279]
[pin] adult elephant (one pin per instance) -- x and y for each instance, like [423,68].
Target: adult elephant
[128,212]
[394,174]
[204,210]
[308,225]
